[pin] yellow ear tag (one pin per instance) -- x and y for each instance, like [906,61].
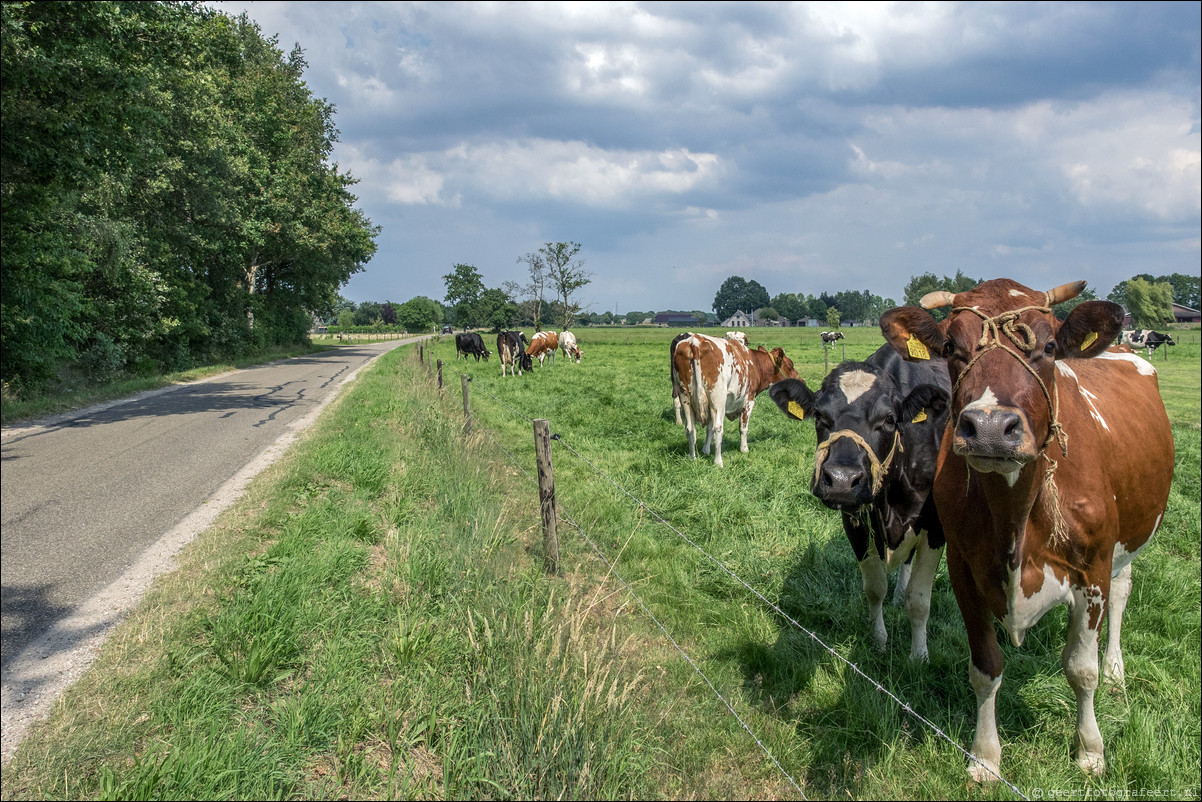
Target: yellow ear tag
[920,417]
[917,349]
[796,411]
[1089,340]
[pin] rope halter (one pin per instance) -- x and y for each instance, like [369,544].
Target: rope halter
[1008,325]
[880,469]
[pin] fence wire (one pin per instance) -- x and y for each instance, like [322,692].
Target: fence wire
[772,605]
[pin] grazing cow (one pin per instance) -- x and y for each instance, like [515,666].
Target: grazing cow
[738,336]
[831,337]
[1053,474]
[470,343]
[717,379]
[1145,338]
[512,353]
[567,344]
[879,423]
[542,345]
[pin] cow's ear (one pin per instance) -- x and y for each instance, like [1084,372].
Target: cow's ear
[793,398]
[925,404]
[1088,330]
[913,333]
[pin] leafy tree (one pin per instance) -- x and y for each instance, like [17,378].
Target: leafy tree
[464,286]
[1150,305]
[832,317]
[536,261]
[556,267]
[737,293]
[368,313]
[388,314]
[219,227]
[496,310]
[768,313]
[1185,289]
[419,314]
[346,318]
[789,306]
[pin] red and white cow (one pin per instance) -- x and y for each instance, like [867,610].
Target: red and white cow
[736,336]
[567,344]
[1053,474]
[542,345]
[718,379]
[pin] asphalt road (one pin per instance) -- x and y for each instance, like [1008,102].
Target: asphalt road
[85,497]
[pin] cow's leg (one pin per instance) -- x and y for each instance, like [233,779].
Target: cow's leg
[1120,591]
[903,583]
[984,670]
[876,585]
[717,426]
[1080,661]
[676,403]
[744,417]
[918,595]
[690,424]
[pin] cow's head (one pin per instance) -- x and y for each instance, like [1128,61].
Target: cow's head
[782,366]
[859,415]
[1001,342]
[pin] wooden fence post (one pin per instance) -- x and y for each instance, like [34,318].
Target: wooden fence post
[467,405]
[440,375]
[546,495]
[421,353]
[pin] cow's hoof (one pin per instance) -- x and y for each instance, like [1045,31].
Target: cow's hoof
[987,773]
[1092,763]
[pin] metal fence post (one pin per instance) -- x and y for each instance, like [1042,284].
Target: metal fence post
[467,405]
[546,495]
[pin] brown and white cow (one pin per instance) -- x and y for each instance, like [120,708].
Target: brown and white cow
[735,336]
[1053,474]
[542,345]
[567,344]
[718,379]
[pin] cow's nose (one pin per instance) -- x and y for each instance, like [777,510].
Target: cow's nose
[841,484]
[991,431]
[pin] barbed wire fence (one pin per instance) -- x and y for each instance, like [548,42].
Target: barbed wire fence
[472,425]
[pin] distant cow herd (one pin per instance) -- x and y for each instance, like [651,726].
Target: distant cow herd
[955,434]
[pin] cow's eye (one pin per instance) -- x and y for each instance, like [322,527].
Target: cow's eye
[890,420]
[1050,348]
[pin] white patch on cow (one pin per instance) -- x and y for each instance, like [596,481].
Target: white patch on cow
[1122,558]
[1089,397]
[1022,611]
[855,383]
[1141,364]
[1018,294]
[986,401]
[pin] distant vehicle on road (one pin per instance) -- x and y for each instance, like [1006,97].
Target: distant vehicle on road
[446,329]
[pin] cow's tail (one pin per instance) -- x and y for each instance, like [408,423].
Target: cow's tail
[692,384]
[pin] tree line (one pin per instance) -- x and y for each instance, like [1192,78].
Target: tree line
[168,197]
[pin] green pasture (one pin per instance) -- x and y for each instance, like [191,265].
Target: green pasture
[373,621]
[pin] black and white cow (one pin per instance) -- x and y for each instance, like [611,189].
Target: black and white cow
[830,337]
[470,343]
[1145,338]
[879,424]
[511,348]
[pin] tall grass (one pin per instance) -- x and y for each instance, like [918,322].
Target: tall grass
[372,622]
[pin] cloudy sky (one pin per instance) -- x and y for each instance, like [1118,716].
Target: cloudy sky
[812,146]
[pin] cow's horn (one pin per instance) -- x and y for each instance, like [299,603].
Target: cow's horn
[1065,292]
[936,299]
